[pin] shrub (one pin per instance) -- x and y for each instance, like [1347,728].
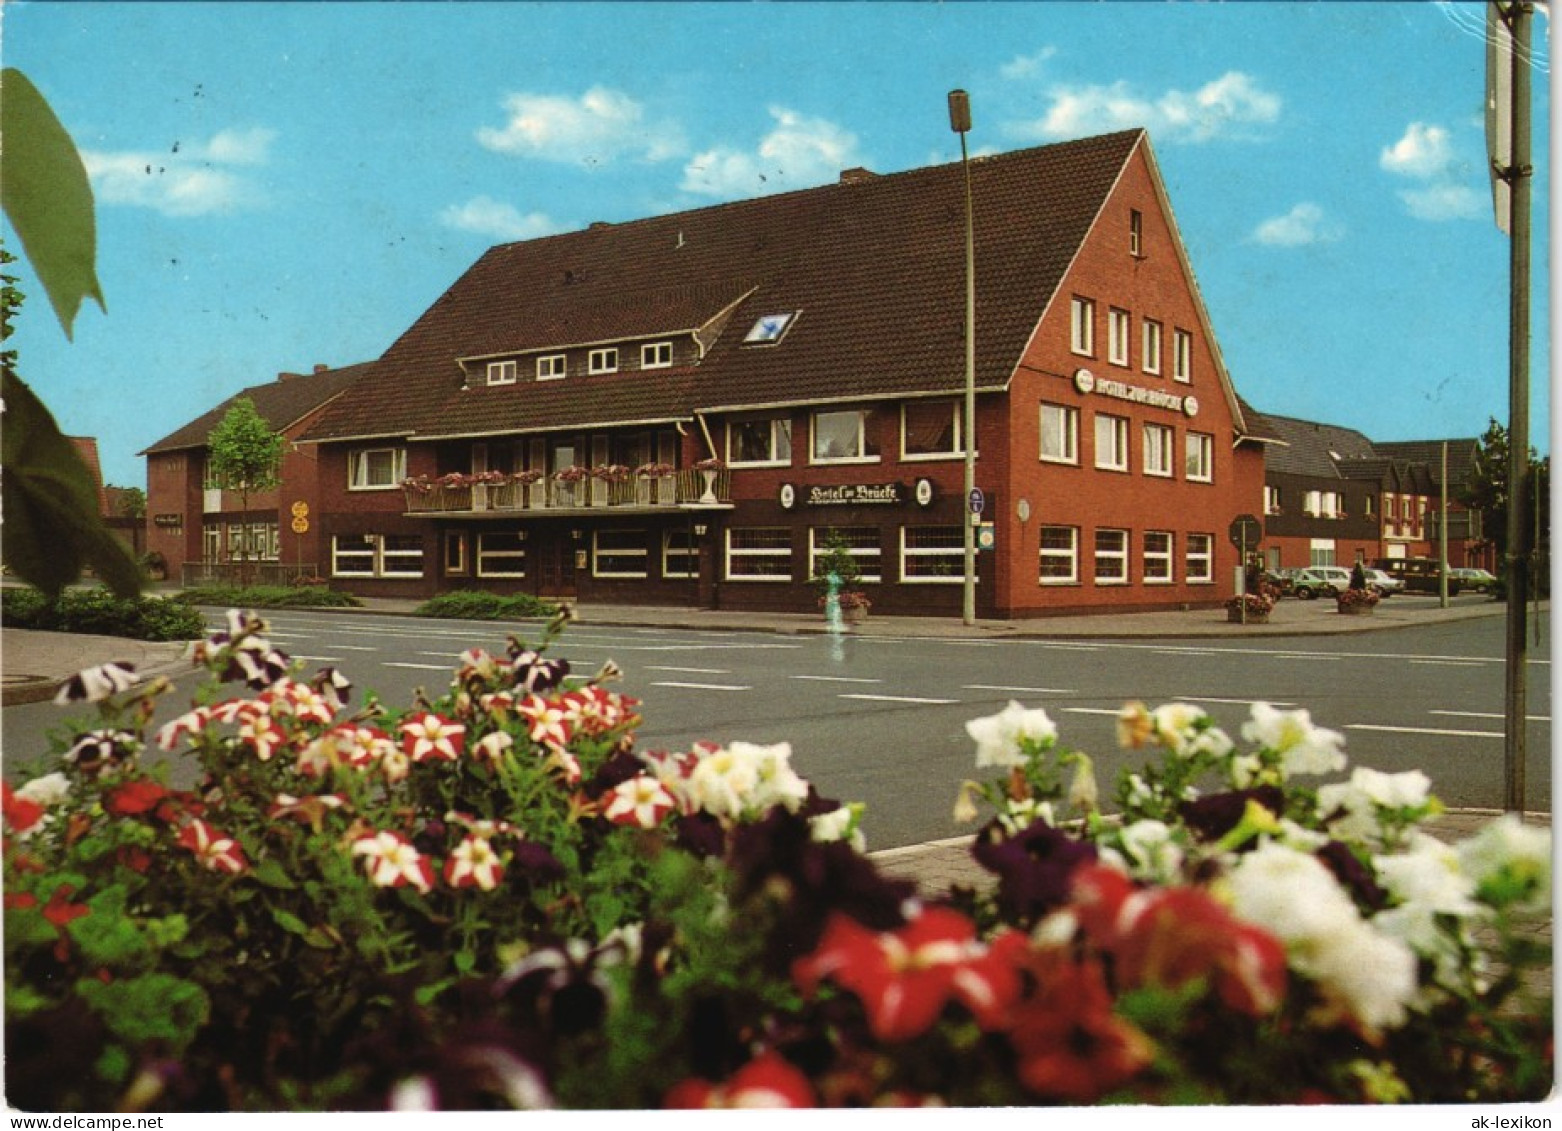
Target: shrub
[99,612]
[492,899]
[296,596]
[477,604]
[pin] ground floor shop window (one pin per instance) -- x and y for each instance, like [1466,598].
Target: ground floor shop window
[680,554]
[619,553]
[1111,557]
[455,553]
[376,555]
[1200,558]
[1059,555]
[861,543]
[932,554]
[1157,557]
[759,554]
[501,553]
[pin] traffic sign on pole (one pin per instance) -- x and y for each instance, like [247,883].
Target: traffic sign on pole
[978,500]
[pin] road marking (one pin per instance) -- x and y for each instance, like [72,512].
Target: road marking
[420,667]
[700,686]
[355,648]
[1448,663]
[1075,647]
[835,679]
[1093,710]
[688,671]
[897,699]
[1426,730]
[1490,715]
[1238,702]
[1020,690]
[317,659]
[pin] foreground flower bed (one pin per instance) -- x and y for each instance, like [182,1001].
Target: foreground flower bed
[494,899]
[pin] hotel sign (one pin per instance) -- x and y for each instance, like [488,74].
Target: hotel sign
[856,495]
[1087,383]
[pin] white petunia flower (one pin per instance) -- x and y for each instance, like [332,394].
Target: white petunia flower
[1509,853]
[49,790]
[1304,748]
[998,737]
[1155,855]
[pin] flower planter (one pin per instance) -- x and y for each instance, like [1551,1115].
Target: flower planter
[710,487]
[855,614]
[1355,610]
[1235,617]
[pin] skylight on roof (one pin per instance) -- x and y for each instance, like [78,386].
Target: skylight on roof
[769,328]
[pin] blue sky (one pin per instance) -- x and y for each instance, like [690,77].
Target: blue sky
[281,185]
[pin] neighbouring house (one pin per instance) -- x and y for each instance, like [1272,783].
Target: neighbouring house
[199,529]
[1334,497]
[110,509]
[688,409]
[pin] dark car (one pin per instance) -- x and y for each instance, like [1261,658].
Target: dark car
[1420,575]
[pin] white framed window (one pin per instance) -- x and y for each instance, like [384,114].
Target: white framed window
[1157,557]
[501,372]
[759,553]
[401,555]
[1182,356]
[841,436]
[1135,233]
[376,555]
[1059,433]
[552,366]
[930,430]
[1311,504]
[211,542]
[501,553]
[760,442]
[455,553]
[1199,459]
[1199,558]
[932,555]
[619,553]
[656,355]
[1271,499]
[1118,326]
[1111,442]
[603,360]
[1111,557]
[1082,327]
[1151,352]
[680,554]
[862,544]
[1059,555]
[376,469]
[1158,440]
[265,541]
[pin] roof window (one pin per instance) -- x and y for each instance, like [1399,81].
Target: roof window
[769,329]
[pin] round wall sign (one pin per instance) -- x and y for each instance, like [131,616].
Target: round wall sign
[1084,381]
[924,492]
[1190,405]
[788,496]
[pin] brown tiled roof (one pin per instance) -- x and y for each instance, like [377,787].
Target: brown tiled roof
[1461,456]
[281,404]
[87,448]
[875,269]
[1310,448]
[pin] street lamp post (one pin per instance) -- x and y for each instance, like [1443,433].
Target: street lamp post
[960,122]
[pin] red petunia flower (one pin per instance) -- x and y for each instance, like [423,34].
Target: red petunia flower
[767,1081]
[429,736]
[216,850]
[905,978]
[21,814]
[135,797]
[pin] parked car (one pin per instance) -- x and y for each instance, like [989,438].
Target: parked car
[1420,575]
[1382,584]
[1280,579]
[1313,582]
[1479,580]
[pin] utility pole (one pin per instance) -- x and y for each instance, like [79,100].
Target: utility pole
[1442,532]
[960,122]
[1509,26]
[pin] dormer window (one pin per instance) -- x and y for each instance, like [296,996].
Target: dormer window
[769,329]
[501,372]
[550,367]
[602,360]
[656,355]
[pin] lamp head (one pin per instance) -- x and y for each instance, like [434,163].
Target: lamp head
[959,111]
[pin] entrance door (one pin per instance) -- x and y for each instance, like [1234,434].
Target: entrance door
[555,567]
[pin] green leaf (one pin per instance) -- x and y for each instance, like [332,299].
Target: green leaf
[289,922]
[52,526]
[47,197]
[273,875]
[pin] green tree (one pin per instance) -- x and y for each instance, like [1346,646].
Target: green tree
[1487,490]
[246,456]
[132,502]
[52,527]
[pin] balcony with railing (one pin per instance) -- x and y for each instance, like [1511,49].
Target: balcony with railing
[572,490]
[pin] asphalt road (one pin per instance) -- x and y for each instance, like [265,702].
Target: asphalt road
[881,720]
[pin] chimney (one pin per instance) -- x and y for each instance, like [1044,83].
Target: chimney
[321,368]
[856,175]
[286,376]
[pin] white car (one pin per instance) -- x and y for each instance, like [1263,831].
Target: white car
[1313,581]
[1382,584]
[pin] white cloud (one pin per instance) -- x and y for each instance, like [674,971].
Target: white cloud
[1423,152]
[494,218]
[1226,107]
[599,126]
[1447,201]
[799,152]
[187,180]
[1305,224]
[1024,66]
